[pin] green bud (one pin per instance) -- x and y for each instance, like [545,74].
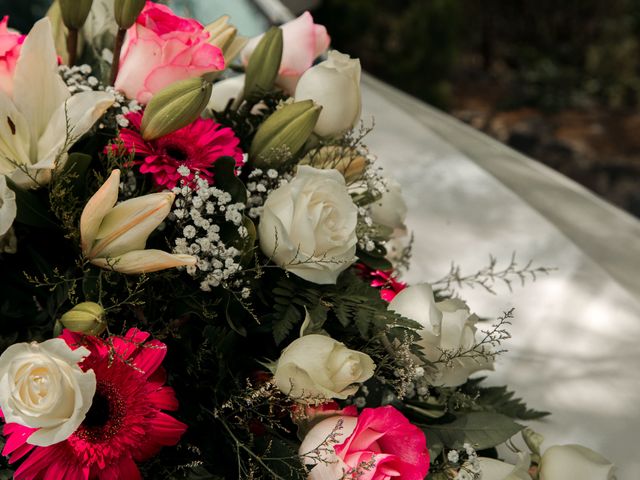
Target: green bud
[86,317]
[285,131]
[75,12]
[532,439]
[127,11]
[264,64]
[175,106]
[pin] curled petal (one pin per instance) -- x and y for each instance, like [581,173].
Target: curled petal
[97,208]
[144,261]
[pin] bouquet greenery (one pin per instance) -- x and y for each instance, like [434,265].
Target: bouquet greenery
[200,270]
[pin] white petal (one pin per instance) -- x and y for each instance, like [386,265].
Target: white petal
[8,208]
[128,225]
[14,136]
[80,112]
[144,261]
[38,88]
[97,208]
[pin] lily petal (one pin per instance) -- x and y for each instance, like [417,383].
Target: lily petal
[80,112]
[128,225]
[144,261]
[14,136]
[97,208]
[38,88]
[8,208]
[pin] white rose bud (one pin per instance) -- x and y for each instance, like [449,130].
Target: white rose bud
[335,85]
[390,210]
[308,226]
[42,386]
[563,462]
[447,326]
[224,91]
[317,367]
[493,469]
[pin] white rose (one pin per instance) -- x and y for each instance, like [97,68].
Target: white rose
[224,91]
[8,208]
[335,85]
[447,326]
[316,367]
[308,226]
[390,210]
[42,386]
[568,462]
[496,470]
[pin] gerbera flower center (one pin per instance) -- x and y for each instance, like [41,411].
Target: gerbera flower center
[104,418]
[177,153]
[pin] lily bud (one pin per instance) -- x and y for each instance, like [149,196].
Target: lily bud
[264,64]
[532,439]
[114,236]
[75,12]
[221,33]
[175,106]
[285,131]
[126,12]
[86,317]
[346,160]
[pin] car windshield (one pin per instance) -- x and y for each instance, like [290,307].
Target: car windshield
[245,15]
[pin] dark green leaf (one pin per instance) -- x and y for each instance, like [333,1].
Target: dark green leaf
[31,209]
[480,429]
[224,173]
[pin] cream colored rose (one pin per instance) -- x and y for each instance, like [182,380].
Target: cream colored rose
[308,226]
[564,462]
[335,85]
[447,326]
[390,210]
[317,367]
[42,386]
[493,469]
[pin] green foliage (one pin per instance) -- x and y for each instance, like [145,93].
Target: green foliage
[481,430]
[355,306]
[500,400]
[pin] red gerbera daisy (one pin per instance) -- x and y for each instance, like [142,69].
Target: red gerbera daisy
[124,425]
[196,146]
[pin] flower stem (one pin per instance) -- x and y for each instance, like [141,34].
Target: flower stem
[72,46]
[115,65]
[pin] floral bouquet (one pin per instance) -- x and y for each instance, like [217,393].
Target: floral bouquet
[200,270]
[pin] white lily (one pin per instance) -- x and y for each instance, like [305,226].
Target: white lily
[42,120]
[114,236]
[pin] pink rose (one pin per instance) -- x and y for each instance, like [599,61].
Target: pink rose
[162,48]
[10,45]
[378,444]
[304,41]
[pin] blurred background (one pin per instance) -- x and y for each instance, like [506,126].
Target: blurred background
[560,83]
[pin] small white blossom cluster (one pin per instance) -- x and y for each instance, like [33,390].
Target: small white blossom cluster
[259,184]
[79,78]
[365,229]
[199,210]
[470,468]
[128,185]
[376,182]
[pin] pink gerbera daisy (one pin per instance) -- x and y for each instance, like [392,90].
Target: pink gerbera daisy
[196,146]
[125,424]
[385,280]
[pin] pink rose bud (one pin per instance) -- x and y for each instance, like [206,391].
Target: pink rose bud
[304,41]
